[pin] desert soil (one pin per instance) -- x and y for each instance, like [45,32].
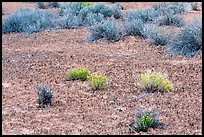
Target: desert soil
[76,108]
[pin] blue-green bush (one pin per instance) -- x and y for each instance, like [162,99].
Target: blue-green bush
[142,14]
[71,8]
[54,4]
[165,8]
[194,5]
[188,41]
[70,21]
[171,20]
[27,20]
[134,27]
[107,30]
[44,94]
[88,15]
[41,5]
[155,34]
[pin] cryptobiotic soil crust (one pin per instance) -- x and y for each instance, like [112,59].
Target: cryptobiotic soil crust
[76,108]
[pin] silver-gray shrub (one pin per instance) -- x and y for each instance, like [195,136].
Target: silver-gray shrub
[194,5]
[171,20]
[70,8]
[155,34]
[27,20]
[133,27]
[44,94]
[189,40]
[86,15]
[41,5]
[107,30]
[142,14]
[170,7]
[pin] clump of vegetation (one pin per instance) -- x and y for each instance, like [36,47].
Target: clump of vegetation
[77,74]
[106,30]
[86,3]
[145,120]
[89,15]
[188,41]
[171,20]
[54,4]
[97,81]
[156,34]
[44,95]
[134,27]
[154,81]
[41,5]
[144,15]
[27,20]
[194,5]
[165,8]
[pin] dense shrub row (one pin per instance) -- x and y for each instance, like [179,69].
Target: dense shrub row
[102,24]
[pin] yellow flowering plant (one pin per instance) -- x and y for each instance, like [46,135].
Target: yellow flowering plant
[152,81]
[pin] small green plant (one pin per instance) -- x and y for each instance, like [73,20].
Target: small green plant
[77,73]
[86,3]
[145,120]
[97,81]
[152,81]
[44,94]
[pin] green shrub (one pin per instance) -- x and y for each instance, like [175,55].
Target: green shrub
[86,3]
[77,74]
[145,120]
[44,94]
[152,81]
[97,81]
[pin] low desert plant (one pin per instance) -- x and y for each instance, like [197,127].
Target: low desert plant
[142,14]
[41,5]
[44,94]
[86,3]
[145,120]
[133,27]
[152,81]
[155,34]
[86,15]
[70,21]
[107,30]
[171,20]
[188,41]
[27,20]
[165,8]
[70,8]
[54,4]
[194,5]
[77,74]
[97,81]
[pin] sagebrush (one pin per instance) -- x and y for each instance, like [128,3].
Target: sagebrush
[44,94]
[188,41]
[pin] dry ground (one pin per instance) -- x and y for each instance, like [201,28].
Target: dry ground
[76,108]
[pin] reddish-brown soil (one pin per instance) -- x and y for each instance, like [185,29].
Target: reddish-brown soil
[76,108]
